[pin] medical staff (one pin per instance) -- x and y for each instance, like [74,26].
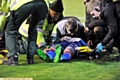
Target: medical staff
[23,9]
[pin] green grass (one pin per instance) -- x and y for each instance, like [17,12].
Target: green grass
[74,8]
[72,70]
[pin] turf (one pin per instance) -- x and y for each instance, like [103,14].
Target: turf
[76,69]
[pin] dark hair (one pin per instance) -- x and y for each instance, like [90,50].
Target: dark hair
[71,24]
[57,6]
[87,0]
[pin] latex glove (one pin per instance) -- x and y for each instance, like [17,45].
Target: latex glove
[65,38]
[99,47]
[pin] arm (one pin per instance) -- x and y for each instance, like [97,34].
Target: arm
[111,23]
[96,23]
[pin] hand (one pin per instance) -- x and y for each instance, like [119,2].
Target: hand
[65,38]
[99,47]
[43,44]
[90,43]
[0,38]
[86,30]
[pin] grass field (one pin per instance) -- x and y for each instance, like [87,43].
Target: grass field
[76,69]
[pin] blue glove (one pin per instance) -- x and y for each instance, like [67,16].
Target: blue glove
[99,47]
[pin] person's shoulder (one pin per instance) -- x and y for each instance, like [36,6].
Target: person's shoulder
[61,23]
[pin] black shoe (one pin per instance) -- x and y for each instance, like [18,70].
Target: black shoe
[12,61]
[30,59]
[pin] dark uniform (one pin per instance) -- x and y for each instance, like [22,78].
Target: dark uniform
[37,9]
[109,16]
[117,4]
[100,31]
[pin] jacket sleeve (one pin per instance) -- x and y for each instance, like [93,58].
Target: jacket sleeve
[111,21]
[96,23]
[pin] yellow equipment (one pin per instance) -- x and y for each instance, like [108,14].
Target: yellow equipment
[84,49]
[3,55]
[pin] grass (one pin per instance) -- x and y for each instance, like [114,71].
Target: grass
[72,70]
[75,69]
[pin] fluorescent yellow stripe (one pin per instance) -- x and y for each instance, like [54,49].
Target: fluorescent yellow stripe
[115,0]
[20,3]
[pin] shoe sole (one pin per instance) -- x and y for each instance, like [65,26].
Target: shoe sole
[42,55]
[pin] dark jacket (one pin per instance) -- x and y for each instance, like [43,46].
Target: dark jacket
[108,15]
[95,23]
[104,2]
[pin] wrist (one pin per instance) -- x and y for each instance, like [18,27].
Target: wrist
[87,28]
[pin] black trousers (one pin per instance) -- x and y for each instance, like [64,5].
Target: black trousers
[37,11]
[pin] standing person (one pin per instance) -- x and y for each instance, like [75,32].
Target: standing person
[37,9]
[110,19]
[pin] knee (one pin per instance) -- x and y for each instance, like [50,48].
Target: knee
[70,50]
[97,29]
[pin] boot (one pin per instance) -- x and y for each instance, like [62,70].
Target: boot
[12,61]
[30,59]
[58,50]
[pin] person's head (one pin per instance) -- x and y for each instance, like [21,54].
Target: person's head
[93,8]
[56,9]
[71,26]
